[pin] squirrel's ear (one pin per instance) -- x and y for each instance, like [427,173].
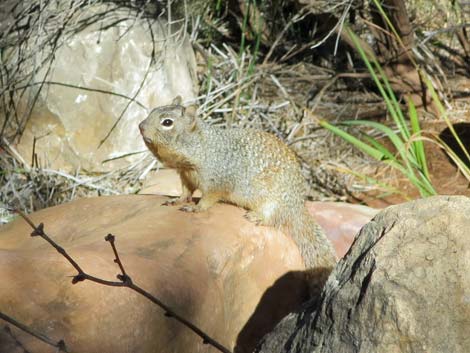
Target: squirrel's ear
[177,100]
[191,110]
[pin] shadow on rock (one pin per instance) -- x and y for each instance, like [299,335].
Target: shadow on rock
[292,290]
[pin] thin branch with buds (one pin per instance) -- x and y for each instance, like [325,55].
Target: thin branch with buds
[124,281]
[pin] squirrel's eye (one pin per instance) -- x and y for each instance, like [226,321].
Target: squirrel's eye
[167,122]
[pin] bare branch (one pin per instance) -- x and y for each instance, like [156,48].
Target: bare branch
[83,88]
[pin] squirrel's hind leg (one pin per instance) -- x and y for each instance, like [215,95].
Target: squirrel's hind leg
[264,214]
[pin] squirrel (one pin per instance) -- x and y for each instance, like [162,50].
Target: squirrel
[246,167]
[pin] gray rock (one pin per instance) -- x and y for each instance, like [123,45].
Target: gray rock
[403,287]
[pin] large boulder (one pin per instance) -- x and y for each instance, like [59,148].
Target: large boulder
[404,287]
[116,49]
[216,269]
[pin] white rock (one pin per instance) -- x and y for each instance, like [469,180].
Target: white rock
[70,123]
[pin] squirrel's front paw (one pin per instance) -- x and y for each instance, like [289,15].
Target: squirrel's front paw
[176,201]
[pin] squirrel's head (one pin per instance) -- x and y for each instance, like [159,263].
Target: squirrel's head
[168,125]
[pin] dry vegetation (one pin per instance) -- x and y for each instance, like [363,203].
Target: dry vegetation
[271,69]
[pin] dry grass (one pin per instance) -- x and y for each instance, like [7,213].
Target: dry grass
[32,188]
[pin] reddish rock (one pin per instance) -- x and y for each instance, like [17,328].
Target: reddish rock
[213,268]
[341,221]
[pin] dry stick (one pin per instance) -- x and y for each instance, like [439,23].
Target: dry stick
[126,281]
[60,345]
[133,100]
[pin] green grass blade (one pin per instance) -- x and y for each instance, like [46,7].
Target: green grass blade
[244,27]
[394,138]
[371,70]
[423,185]
[417,143]
[371,151]
[392,28]
[383,84]
[374,153]
[381,81]
[396,113]
[377,145]
[400,145]
[407,139]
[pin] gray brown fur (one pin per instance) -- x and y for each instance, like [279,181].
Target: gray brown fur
[249,168]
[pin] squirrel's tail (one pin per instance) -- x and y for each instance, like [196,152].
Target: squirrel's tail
[315,248]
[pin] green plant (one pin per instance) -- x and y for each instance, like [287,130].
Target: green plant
[407,139]
[409,159]
[437,101]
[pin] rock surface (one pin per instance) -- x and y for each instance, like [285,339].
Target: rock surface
[404,287]
[70,123]
[341,221]
[215,268]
